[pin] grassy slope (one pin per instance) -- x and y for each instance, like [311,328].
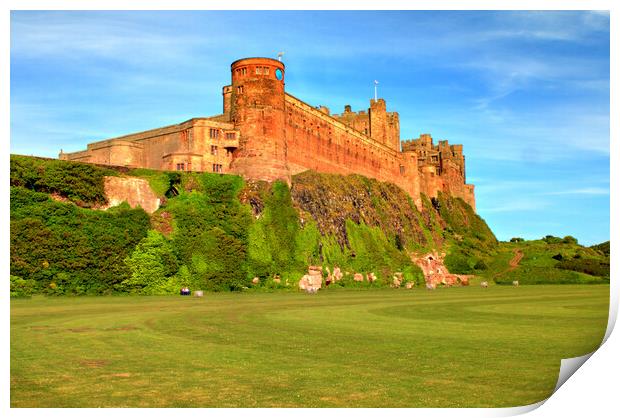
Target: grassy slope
[537,265]
[337,349]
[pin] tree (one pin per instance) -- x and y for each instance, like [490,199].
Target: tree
[152,265]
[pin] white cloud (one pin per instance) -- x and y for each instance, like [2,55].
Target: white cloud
[520,204]
[581,191]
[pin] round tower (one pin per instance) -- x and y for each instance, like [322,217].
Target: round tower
[257,111]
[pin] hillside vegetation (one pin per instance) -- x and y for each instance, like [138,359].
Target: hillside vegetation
[218,232]
[551,260]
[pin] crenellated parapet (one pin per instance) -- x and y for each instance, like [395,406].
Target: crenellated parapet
[441,166]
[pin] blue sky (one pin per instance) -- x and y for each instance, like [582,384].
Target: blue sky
[526,93]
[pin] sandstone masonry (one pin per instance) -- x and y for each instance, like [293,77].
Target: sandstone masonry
[265,133]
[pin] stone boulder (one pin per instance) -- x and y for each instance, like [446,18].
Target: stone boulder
[358,277]
[436,273]
[255,280]
[463,279]
[371,277]
[409,285]
[337,274]
[450,280]
[312,281]
[397,280]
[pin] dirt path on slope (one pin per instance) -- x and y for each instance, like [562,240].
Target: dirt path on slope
[513,263]
[515,260]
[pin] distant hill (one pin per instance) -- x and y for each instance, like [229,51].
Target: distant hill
[603,248]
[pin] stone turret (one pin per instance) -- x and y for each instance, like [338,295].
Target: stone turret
[257,111]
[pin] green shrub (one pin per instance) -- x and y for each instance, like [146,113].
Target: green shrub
[210,232]
[602,248]
[152,265]
[22,288]
[589,266]
[77,250]
[550,239]
[481,265]
[81,183]
[273,236]
[569,240]
[457,263]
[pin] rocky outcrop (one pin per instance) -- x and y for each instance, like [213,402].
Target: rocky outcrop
[135,191]
[436,273]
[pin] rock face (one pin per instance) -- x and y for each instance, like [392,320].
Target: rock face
[312,281]
[436,273]
[134,191]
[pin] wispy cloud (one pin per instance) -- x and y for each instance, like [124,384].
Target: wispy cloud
[522,204]
[582,191]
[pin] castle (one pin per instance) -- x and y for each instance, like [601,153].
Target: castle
[265,133]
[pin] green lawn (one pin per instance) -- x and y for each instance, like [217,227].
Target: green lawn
[456,347]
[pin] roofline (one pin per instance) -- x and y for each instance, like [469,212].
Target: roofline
[260,58]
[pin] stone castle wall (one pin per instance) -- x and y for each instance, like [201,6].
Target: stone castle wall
[185,146]
[267,134]
[317,141]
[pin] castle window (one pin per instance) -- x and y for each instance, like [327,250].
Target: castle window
[213,150]
[230,135]
[181,167]
[402,169]
[217,168]
[266,70]
[259,70]
[214,133]
[239,89]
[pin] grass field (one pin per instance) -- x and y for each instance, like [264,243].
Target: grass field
[456,347]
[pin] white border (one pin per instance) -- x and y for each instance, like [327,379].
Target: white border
[591,391]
